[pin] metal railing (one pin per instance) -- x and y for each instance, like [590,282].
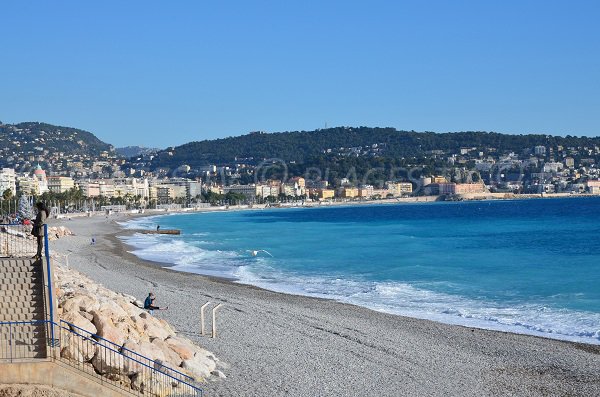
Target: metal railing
[99,358]
[16,241]
[123,367]
[22,340]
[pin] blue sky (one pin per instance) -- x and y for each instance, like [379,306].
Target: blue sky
[164,73]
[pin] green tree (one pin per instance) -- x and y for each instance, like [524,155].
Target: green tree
[7,194]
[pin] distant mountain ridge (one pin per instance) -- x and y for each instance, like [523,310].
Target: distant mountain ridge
[26,143]
[299,146]
[132,151]
[30,135]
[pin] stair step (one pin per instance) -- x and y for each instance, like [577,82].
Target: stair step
[15,303]
[21,310]
[20,292]
[19,286]
[20,280]
[23,351]
[10,301]
[22,317]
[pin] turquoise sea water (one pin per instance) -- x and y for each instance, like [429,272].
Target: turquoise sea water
[525,266]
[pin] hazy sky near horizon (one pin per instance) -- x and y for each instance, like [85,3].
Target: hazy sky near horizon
[158,74]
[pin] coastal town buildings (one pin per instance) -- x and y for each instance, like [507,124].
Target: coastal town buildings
[29,167]
[60,184]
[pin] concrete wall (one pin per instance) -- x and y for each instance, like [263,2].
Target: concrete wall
[56,375]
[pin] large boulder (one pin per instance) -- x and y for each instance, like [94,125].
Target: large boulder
[106,361]
[107,330]
[111,309]
[172,359]
[200,366]
[128,328]
[79,323]
[80,302]
[184,348]
[77,349]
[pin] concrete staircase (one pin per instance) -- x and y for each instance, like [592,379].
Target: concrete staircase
[22,299]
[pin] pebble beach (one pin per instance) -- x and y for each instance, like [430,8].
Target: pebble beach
[275,344]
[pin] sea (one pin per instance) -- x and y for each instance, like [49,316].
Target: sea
[522,266]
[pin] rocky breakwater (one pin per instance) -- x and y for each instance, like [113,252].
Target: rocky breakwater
[121,341]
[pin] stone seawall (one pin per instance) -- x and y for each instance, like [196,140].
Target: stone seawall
[120,319]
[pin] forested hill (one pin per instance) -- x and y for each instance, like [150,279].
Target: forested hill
[33,137]
[382,142]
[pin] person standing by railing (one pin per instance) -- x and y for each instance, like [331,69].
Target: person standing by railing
[38,227]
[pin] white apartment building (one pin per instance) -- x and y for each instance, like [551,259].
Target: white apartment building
[8,180]
[27,185]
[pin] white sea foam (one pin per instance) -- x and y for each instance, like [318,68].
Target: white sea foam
[407,300]
[183,256]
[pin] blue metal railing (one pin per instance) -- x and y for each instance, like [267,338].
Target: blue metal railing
[148,376]
[127,352]
[50,290]
[16,241]
[18,340]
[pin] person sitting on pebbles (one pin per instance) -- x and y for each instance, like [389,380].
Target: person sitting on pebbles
[149,303]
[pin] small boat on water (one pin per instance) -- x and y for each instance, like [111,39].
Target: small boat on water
[161,231]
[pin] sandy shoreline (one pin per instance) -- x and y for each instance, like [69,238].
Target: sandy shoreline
[278,344]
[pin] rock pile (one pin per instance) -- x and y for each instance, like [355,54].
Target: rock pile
[116,320]
[56,232]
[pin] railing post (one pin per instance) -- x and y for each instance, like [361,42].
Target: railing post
[214,320]
[202,317]
[10,341]
[50,294]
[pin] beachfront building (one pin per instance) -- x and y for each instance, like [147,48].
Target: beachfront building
[466,188]
[325,194]
[450,188]
[249,191]
[216,189]
[295,187]
[446,188]
[593,187]
[89,189]
[288,189]
[181,188]
[164,194]
[400,188]
[8,180]
[265,191]
[106,187]
[132,187]
[60,184]
[27,185]
[365,191]
[348,192]
[299,181]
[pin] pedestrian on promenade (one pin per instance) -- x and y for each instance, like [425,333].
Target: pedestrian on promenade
[38,227]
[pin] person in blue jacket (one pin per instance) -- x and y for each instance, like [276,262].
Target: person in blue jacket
[149,303]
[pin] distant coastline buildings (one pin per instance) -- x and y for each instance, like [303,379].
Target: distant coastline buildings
[31,167]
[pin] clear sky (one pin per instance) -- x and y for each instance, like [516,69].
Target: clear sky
[164,73]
